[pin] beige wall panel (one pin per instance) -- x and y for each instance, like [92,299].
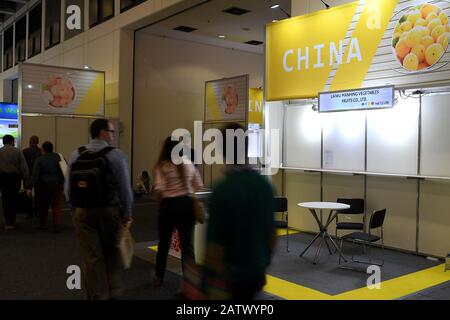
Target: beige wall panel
[71,134]
[302,187]
[43,127]
[434,228]
[342,186]
[74,58]
[398,196]
[300,7]
[100,57]
[170,84]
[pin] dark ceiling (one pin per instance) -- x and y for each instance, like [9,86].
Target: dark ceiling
[10,7]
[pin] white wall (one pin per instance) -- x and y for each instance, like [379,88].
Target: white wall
[170,80]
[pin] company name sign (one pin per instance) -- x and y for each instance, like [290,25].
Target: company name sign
[361,44]
[362,99]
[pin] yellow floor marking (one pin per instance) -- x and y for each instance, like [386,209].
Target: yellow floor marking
[282,232]
[291,291]
[401,286]
[390,289]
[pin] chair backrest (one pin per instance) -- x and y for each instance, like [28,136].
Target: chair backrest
[356,205]
[377,219]
[280,204]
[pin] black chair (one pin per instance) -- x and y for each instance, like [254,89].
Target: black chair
[281,205]
[367,238]
[356,208]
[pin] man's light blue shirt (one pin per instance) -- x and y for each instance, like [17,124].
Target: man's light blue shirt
[119,167]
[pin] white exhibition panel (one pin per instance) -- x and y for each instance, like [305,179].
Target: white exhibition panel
[435,150]
[274,123]
[392,138]
[344,141]
[302,138]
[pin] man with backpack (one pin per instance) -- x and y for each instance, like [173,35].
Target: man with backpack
[99,190]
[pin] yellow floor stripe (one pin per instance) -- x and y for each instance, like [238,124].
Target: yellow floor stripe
[282,232]
[390,289]
[401,286]
[291,291]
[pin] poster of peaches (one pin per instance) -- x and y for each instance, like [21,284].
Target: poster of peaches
[421,37]
[227,99]
[58,90]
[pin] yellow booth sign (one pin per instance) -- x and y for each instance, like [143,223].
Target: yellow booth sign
[360,44]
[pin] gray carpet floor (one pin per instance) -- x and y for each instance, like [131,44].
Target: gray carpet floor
[34,262]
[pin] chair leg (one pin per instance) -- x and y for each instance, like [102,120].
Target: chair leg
[340,248]
[287,232]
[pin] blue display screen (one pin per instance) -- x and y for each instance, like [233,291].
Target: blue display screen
[8,111]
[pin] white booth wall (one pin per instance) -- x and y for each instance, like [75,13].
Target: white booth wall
[170,76]
[428,232]
[396,139]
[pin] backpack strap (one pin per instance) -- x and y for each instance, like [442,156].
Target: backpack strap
[104,151]
[82,149]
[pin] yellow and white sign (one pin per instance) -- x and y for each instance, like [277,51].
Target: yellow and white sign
[58,90]
[365,43]
[256,106]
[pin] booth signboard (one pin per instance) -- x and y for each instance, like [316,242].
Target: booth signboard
[357,45]
[57,90]
[9,123]
[359,99]
[227,99]
[256,106]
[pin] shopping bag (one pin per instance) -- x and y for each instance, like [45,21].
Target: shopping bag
[199,210]
[63,166]
[126,247]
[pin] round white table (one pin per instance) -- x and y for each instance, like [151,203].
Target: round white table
[334,208]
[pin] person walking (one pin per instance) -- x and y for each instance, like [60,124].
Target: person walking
[99,189]
[13,169]
[173,185]
[48,180]
[241,227]
[31,154]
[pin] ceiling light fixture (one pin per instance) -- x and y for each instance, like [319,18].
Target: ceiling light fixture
[275,6]
[86,67]
[326,4]
[221,37]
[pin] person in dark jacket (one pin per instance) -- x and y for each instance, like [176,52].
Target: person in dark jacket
[48,180]
[13,168]
[31,154]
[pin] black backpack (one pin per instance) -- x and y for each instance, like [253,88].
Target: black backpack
[91,184]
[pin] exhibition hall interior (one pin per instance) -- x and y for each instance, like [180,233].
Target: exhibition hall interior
[345,107]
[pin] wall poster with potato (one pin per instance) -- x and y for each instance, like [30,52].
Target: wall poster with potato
[358,45]
[63,91]
[227,99]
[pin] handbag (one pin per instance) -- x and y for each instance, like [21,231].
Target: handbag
[199,210]
[126,247]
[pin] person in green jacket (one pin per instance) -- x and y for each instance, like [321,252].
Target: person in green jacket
[241,229]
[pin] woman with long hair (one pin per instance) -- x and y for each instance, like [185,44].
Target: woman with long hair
[174,184]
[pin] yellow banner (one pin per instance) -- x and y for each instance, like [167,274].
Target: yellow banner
[256,106]
[326,50]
